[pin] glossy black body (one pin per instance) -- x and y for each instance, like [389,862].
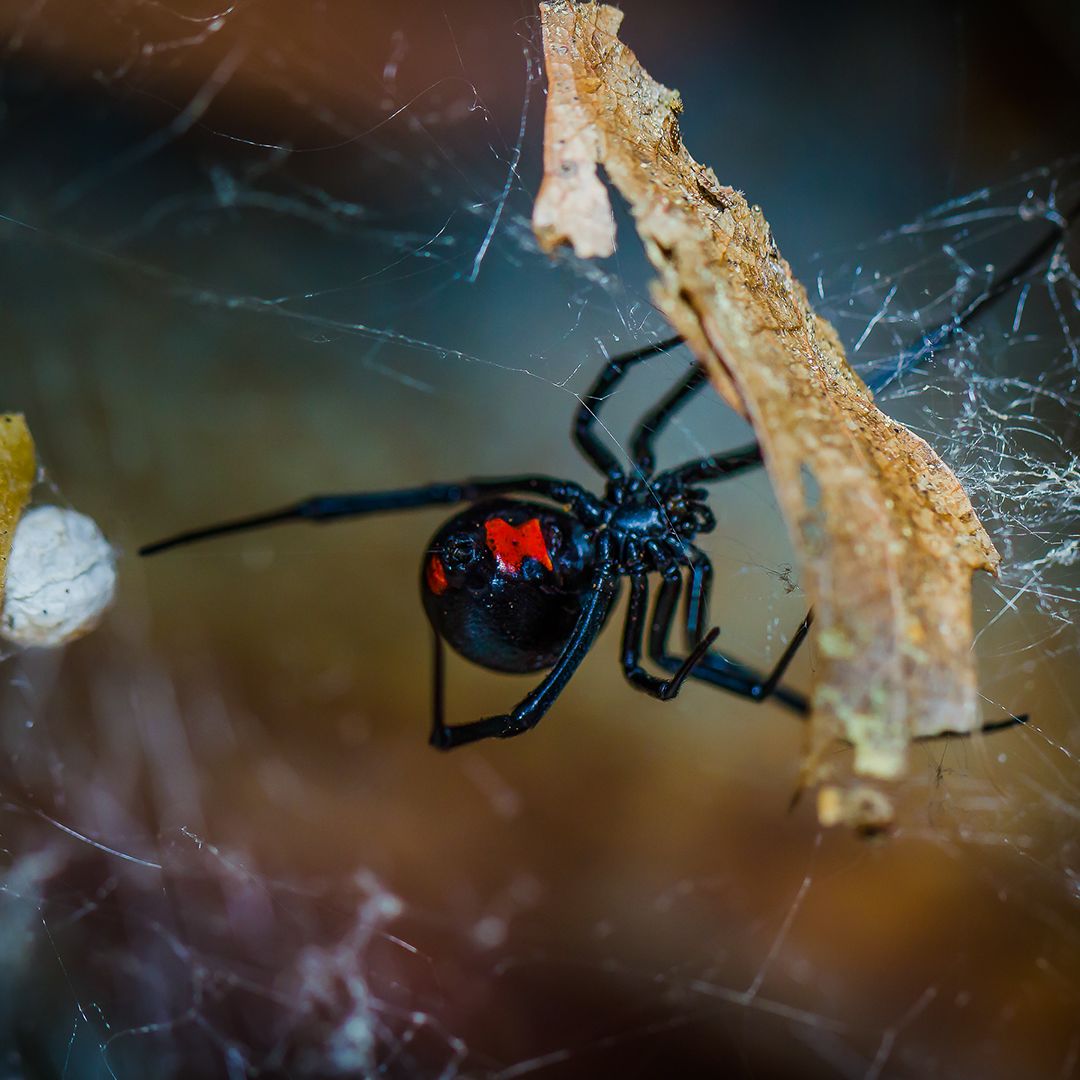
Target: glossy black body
[514,621]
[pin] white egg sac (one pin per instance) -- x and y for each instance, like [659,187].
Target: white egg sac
[61,576]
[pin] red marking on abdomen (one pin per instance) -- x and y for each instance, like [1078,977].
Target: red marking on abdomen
[435,575]
[511,544]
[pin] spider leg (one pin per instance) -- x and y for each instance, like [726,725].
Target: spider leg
[988,728]
[356,504]
[717,466]
[713,467]
[1063,223]
[664,689]
[698,591]
[530,710]
[653,422]
[438,687]
[707,468]
[697,615]
[586,417]
[650,426]
[714,667]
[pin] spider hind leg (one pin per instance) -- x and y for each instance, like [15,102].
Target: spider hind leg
[531,709]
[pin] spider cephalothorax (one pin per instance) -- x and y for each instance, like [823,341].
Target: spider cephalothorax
[652,523]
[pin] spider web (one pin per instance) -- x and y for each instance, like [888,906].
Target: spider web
[261,249]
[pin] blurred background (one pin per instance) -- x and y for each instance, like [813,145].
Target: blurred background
[255,251]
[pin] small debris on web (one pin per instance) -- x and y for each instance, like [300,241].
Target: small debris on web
[887,537]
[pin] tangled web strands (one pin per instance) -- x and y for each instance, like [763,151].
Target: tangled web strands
[993,378]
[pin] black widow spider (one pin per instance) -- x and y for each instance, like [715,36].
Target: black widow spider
[517,585]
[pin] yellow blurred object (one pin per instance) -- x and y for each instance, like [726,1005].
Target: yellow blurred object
[18,467]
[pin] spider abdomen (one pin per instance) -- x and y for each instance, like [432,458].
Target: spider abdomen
[504,582]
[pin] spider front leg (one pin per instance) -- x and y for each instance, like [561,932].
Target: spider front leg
[585,419]
[322,508]
[701,470]
[530,710]
[717,466]
[650,426]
